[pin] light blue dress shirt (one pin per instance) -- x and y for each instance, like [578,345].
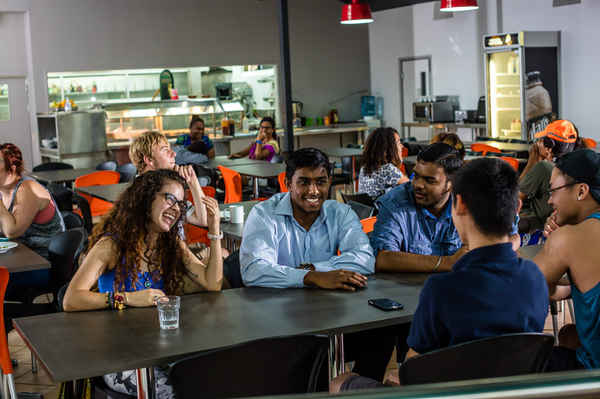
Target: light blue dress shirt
[274,244]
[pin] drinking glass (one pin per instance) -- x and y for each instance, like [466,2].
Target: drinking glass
[168,312]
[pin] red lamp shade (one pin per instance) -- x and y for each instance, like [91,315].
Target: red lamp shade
[458,5]
[357,12]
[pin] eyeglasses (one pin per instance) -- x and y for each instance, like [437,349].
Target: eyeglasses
[172,200]
[552,190]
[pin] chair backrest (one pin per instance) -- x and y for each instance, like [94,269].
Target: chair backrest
[281,180]
[362,211]
[62,196]
[98,207]
[61,254]
[98,178]
[107,165]
[514,162]
[72,220]
[368,224]
[5,361]
[500,356]
[362,198]
[484,148]
[589,143]
[233,185]
[210,191]
[127,172]
[347,166]
[86,213]
[51,166]
[268,367]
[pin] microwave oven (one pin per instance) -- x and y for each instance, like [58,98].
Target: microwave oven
[433,111]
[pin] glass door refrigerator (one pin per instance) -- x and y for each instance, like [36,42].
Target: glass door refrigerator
[521,81]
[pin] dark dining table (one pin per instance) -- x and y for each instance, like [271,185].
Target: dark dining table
[262,170]
[84,344]
[23,259]
[60,176]
[106,192]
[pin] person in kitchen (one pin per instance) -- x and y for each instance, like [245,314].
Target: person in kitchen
[196,141]
[265,147]
[538,104]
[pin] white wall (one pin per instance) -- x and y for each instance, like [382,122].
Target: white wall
[390,37]
[329,60]
[455,47]
[580,55]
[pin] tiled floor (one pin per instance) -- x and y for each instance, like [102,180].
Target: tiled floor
[26,381]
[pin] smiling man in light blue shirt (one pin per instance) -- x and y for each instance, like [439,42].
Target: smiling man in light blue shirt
[293,239]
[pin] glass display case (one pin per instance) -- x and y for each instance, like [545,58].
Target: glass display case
[127,119]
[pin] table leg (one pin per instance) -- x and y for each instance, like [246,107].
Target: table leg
[255,187]
[336,355]
[145,383]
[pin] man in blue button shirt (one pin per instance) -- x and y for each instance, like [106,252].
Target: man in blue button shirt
[292,240]
[300,239]
[490,290]
[414,230]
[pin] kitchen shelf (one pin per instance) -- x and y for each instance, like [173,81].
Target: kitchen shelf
[506,74]
[507,109]
[508,85]
[509,96]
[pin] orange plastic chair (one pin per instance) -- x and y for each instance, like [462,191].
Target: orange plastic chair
[368,224]
[589,143]
[484,148]
[281,179]
[404,152]
[514,162]
[233,184]
[98,207]
[195,234]
[5,361]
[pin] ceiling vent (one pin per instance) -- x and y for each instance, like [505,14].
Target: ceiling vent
[559,3]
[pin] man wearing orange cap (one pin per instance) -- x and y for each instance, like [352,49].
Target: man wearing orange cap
[557,139]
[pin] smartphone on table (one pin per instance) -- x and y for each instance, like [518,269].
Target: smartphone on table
[386,304]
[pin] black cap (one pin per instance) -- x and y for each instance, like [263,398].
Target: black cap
[584,167]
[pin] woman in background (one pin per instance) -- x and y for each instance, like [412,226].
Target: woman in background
[452,140]
[382,163]
[265,147]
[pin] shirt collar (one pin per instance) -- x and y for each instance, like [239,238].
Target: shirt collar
[490,255]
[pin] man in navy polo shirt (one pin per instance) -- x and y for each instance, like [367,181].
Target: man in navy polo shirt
[490,290]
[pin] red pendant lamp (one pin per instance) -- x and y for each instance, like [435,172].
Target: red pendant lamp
[458,5]
[357,12]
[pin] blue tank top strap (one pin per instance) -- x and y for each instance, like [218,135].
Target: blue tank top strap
[595,215]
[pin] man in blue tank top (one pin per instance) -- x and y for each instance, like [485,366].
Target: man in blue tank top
[572,248]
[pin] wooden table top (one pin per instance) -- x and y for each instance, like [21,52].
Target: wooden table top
[23,259]
[60,176]
[84,344]
[343,152]
[262,170]
[107,192]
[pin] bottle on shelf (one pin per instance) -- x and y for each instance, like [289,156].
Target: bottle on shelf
[225,125]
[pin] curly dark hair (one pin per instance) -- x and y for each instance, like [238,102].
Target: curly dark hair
[12,157]
[126,225]
[381,149]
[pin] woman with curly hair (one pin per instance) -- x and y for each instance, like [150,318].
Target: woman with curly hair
[137,255]
[382,161]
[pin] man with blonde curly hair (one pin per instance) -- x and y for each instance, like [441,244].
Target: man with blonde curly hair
[152,151]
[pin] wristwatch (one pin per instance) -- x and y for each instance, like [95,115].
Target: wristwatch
[215,236]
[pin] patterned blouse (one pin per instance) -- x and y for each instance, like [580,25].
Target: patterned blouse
[379,182]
